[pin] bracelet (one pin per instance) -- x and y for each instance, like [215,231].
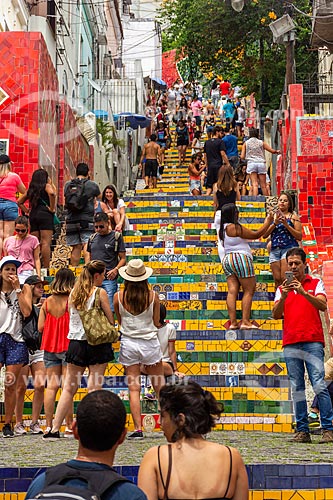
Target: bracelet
[18,290]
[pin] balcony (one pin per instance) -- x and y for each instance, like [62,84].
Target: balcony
[322,26]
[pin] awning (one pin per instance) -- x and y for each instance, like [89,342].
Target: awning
[131,120]
[100,113]
[159,81]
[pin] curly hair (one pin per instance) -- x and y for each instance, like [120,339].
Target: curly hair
[189,400]
[84,285]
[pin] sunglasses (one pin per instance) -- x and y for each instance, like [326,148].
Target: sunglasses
[21,230]
[100,227]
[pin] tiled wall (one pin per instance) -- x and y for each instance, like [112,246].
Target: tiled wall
[31,117]
[269,481]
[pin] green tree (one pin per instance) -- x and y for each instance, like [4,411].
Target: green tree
[238,46]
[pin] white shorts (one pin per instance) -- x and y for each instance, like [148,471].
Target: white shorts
[256,167]
[24,275]
[139,351]
[36,357]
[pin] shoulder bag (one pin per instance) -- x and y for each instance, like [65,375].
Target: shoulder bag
[96,325]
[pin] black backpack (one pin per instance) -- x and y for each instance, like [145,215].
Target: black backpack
[98,482]
[75,197]
[31,336]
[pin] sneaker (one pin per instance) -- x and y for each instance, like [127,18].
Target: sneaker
[51,436]
[19,429]
[301,437]
[35,428]
[136,435]
[327,437]
[314,421]
[7,431]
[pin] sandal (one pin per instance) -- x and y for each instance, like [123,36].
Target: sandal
[248,327]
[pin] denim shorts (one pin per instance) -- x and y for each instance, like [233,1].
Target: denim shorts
[76,234]
[8,210]
[277,254]
[195,184]
[12,352]
[256,167]
[54,359]
[111,287]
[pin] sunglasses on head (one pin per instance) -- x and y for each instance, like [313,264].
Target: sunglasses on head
[20,230]
[100,226]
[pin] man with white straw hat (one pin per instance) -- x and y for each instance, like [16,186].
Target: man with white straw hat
[138,313]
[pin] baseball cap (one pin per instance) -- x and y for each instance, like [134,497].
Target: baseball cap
[4,159]
[34,280]
[9,260]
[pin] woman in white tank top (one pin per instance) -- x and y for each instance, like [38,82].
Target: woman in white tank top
[238,263]
[138,313]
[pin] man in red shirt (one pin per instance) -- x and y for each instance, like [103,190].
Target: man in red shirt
[299,304]
[225,88]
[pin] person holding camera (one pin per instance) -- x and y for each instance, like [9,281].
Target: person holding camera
[285,232]
[299,301]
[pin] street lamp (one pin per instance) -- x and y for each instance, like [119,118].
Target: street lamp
[237,5]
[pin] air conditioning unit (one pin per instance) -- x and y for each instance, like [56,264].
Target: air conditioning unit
[101,38]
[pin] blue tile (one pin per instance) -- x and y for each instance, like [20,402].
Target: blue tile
[275,483]
[305,483]
[30,472]
[325,482]
[258,477]
[9,472]
[318,470]
[17,485]
[291,470]
[2,485]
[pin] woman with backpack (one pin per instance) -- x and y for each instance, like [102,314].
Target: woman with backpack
[81,355]
[42,199]
[54,324]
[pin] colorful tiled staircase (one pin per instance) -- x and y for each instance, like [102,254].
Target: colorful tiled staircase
[173,232]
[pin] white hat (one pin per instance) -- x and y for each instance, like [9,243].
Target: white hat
[9,260]
[135,271]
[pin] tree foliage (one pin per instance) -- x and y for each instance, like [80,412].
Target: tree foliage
[239,46]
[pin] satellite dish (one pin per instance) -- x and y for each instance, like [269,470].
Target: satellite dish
[95,85]
[237,5]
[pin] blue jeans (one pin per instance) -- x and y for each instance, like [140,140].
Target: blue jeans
[309,355]
[110,286]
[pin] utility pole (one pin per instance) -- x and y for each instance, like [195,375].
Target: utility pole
[290,50]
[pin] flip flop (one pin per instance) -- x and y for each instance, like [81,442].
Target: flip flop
[233,327]
[246,327]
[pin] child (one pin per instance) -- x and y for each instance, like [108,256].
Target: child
[242,178]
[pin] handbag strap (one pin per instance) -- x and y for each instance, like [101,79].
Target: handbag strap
[97,301]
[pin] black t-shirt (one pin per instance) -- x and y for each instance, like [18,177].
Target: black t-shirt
[212,149]
[92,190]
[102,247]
[224,200]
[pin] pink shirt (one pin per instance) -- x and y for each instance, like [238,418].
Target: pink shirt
[196,107]
[22,250]
[9,186]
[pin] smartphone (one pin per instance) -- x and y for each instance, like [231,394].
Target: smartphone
[289,276]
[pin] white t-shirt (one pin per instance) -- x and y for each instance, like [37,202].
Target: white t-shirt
[165,335]
[76,330]
[11,316]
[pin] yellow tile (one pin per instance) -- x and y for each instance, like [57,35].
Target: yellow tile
[272,494]
[287,494]
[257,495]
[319,494]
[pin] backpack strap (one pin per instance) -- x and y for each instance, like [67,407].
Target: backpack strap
[98,480]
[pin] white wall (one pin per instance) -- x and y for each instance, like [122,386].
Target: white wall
[142,41]
[14,15]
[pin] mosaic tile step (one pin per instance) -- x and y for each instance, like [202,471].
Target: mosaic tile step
[201,217]
[207,208]
[181,296]
[214,314]
[193,336]
[181,224]
[180,264]
[168,255]
[188,201]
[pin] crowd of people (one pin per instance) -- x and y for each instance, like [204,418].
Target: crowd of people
[95,222]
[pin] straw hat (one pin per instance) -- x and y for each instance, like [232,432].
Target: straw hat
[135,271]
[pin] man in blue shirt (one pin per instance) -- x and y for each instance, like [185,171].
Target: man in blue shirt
[100,429]
[229,112]
[230,142]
